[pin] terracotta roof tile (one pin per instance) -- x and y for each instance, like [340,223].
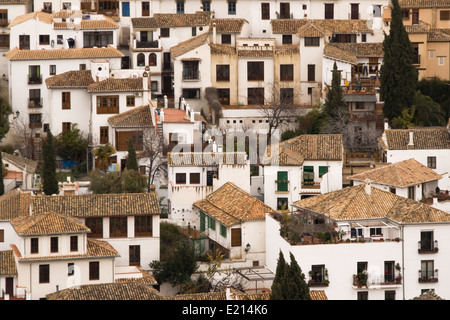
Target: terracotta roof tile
[14,204]
[228,25]
[38,15]
[292,26]
[424,3]
[180,159]
[21,162]
[335,52]
[400,174]
[51,54]
[231,205]
[7,263]
[165,20]
[256,53]
[424,139]
[70,79]
[138,117]
[355,203]
[189,45]
[47,223]
[117,84]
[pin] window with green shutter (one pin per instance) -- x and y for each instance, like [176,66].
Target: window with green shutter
[212,223]
[308,174]
[202,221]
[322,171]
[223,231]
[282,181]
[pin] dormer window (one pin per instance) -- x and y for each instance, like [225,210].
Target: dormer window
[54,244]
[73,243]
[34,248]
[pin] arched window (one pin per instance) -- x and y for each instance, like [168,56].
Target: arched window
[140,60]
[152,59]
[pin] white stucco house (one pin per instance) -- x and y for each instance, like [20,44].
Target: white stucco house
[20,172]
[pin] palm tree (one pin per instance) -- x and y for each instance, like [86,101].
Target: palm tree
[102,154]
[426,112]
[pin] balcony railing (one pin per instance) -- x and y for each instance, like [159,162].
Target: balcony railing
[33,79]
[147,44]
[427,276]
[35,103]
[429,247]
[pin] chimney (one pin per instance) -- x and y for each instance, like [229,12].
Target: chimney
[161,115]
[367,187]
[435,200]
[192,116]
[386,124]
[187,109]
[145,82]
[214,33]
[411,140]
[166,102]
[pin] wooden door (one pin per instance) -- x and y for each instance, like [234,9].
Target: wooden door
[9,286]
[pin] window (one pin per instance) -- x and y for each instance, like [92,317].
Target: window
[4,40]
[140,60]
[165,33]
[180,6]
[312,41]
[180,178]
[97,39]
[393,190]
[389,295]
[152,59]
[194,178]
[231,7]
[287,39]
[426,270]
[211,223]
[35,120]
[52,69]
[430,54]
[426,242]
[265,11]
[35,98]
[107,104]
[431,162]
[47,7]
[222,72]
[329,11]
[24,42]
[96,227]
[44,273]
[206,5]
[287,72]
[286,96]
[375,232]
[389,271]
[444,15]
[308,175]
[125,9]
[34,75]
[236,237]
[135,255]
[411,192]
[322,170]
[282,204]
[255,96]
[223,231]
[190,70]
[282,181]
[154,86]
[285,11]
[354,11]
[356,232]
[145,8]
[2,235]
[104,133]
[70,269]
[54,244]
[363,37]
[67,6]
[363,295]
[118,227]
[224,96]
[143,226]
[311,72]
[318,275]
[94,270]
[202,221]
[122,138]
[191,93]
[82,66]
[73,243]
[65,100]
[226,38]
[34,248]
[255,71]
[3,17]
[130,101]
[441,61]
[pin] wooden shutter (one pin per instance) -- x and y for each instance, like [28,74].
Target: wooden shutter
[265,11]
[322,171]
[236,237]
[202,221]
[282,181]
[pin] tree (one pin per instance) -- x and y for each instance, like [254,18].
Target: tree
[71,144]
[2,185]
[438,90]
[100,183]
[289,282]
[335,105]
[50,180]
[154,151]
[313,122]
[398,76]
[102,154]
[133,182]
[5,111]
[426,112]
[131,159]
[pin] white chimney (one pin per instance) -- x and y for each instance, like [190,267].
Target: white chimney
[411,139]
[183,104]
[214,33]
[145,83]
[193,116]
[214,147]
[386,124]
[187,109]
[166,102]
[435,200]
[367,187]
[161,114]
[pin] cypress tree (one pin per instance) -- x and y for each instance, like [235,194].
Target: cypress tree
[335,104]
[131,159]
[49,171]
[300,289]
[2,186]
[398,76]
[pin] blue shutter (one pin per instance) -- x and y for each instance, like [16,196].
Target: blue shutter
[125,9]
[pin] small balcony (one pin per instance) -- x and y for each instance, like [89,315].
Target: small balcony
[147,44]
[34,79]
[428,247]
[35,103]
[428,276]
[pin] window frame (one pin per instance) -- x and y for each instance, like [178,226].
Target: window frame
[44,273]
[143,226]
[118,227]
[34,245]
[255,70]
[94,270]
[196,179]
[180,178]
[54,244]
[73,243]
[222,73]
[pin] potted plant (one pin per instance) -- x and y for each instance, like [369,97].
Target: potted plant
[398,278]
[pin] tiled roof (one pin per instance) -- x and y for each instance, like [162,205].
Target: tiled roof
[70,79]
[166,20]
[21,162]
[181,159]
[189,45]
[54,54]
[98,205]
[38,15]
[231,205]
[117,84]
[367,49]
[47,223]
[106,23]
[330,26]
[424,139]
[400,174]
[428,295]
[173,115]
[424,3]
[139,117]
[318,295]
[14,204]
[146,278]
[228,25]
[256,53]
[95,249]
[221,49]
[287,49]
[310,29]
[7,263]
[355,203]
[306,147]
[335,52]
